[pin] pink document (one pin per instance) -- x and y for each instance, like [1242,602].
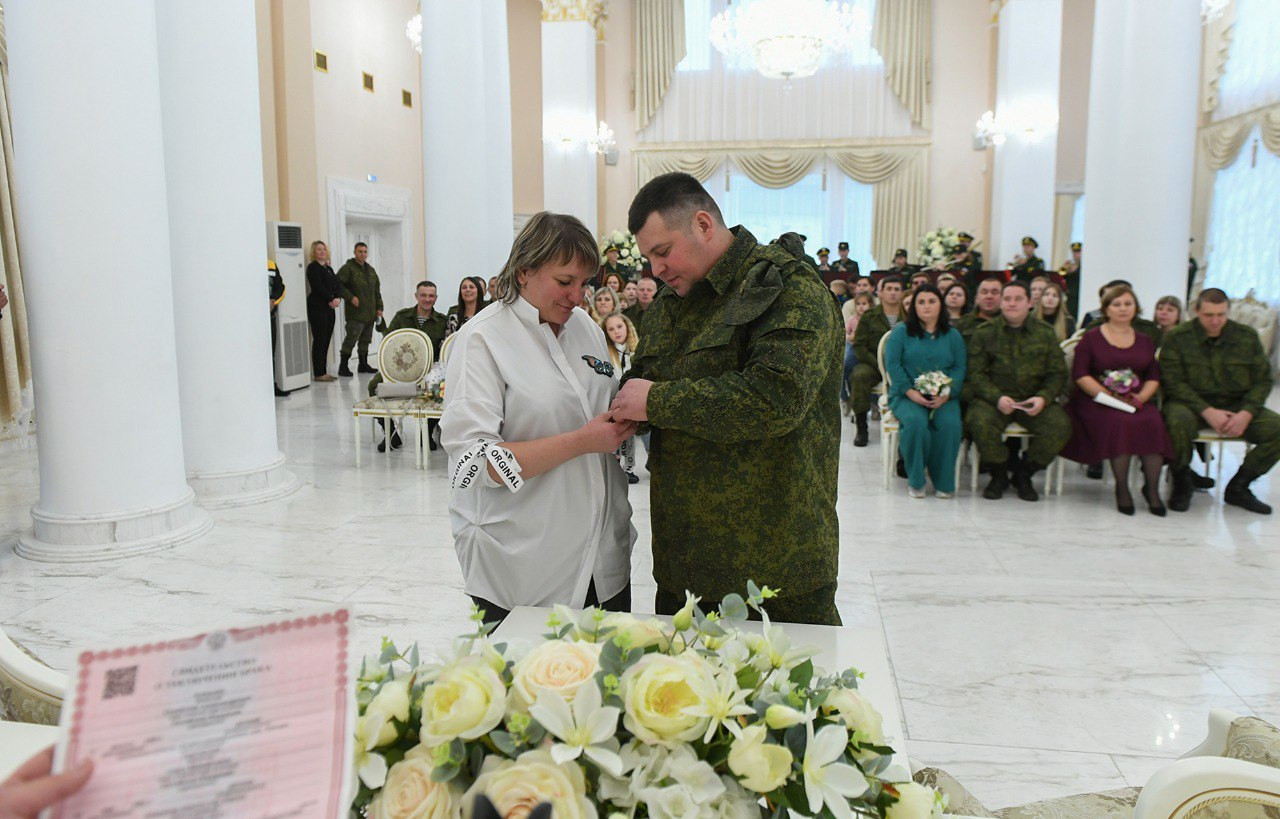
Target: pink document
[250,722]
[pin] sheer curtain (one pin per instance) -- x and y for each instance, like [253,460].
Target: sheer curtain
[842,212]
[1252,76]
[1244,225]
[709,101]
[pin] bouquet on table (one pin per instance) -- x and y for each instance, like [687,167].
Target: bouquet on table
[1121,382]
[938,246]
[932,385]
[433,384]
[614,716]
[629,257]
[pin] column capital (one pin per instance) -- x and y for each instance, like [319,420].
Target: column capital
[594,12]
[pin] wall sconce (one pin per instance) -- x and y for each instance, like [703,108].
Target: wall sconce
[604,144]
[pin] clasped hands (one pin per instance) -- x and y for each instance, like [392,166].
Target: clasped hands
[1225,422]
[1031,406]
[932,402]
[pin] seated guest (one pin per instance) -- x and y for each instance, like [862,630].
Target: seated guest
[839,290]
[1103,357]
[1052,310]
[866,374]
[919,279]
[852,311]
[1016,373]
[519,450]
[425,317]
[1143,325]
[1168,313]
[646,290]
[987,307]
[930,427]
[956,299]
[470,301]
[1037,288]
[622,348]
[1028,265]
[1216,374]
[628,295]
[605,302]
[863,285]
[944,281]
[614,281]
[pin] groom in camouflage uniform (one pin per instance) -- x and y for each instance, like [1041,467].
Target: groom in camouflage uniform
[738,375]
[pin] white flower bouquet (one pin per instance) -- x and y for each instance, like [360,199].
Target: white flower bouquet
[433,384]
[938,245]
[629,257]
[614,716]
[933,384]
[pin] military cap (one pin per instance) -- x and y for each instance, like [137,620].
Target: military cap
[612,246]
[1027,240]
[824,251]
[1076,246]
[902,251]
[842,246]
[964,236]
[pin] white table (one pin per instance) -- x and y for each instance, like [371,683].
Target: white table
[861,647]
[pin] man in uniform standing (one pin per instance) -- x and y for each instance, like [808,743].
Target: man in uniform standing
[1026,267]
[866,340]
[825,271]
[363,294]
[846,267]
[1016,373]
[737,375]
[1215,373]
[611,253]
[1070,273]
[425,317]
[966,263]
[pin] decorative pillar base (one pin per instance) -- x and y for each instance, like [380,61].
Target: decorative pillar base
[244,487]
[83,538]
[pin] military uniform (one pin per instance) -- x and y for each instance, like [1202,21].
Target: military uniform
[866,373]
[1020,362]
[605,270]
[636,313]
[745,442]
[1033,266]
[408,318]
[1230,372]
[969,324]
[359,281]
[845,268]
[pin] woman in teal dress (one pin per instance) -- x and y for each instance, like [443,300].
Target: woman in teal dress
[930,430]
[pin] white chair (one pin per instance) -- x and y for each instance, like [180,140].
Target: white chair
[890,426]
[1216,442]
[30,691]
[404,357]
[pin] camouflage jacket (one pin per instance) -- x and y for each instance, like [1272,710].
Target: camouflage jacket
[866,339]
[1019,362]
[1228,372]
[746,426]
[969,324]
[360,281]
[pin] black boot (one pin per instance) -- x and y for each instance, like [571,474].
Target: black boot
[364,364]
[396,443]
[862,435]
[902,467]
[1094,472]
[1202,481]
[1022,474]
[999,482]
[343,369]
[1183,489]
[1237,493]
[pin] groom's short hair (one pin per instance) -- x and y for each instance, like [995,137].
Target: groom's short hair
[673,196]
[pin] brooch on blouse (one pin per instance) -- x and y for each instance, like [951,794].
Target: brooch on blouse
[601,367]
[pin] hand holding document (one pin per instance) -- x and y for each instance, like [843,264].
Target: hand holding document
[250,722]
[1106,399]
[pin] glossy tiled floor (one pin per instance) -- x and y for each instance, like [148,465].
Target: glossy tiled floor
[1040,649]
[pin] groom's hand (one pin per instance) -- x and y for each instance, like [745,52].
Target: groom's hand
[632,401]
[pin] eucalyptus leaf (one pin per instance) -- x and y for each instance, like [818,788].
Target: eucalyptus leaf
[733,608]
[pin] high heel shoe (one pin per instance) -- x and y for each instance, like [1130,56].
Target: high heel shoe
[1158,508]
[1124,502]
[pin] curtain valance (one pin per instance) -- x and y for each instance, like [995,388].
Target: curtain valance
[1221,142]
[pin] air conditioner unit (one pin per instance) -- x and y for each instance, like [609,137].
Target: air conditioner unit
[293,344]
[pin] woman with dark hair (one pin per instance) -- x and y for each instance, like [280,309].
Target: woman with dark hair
[470,302]
[957,301]
[930,429]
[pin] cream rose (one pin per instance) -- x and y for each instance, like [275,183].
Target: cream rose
[392,700]
[467,701]
[915,801]
[558,666]
[655,693]
[637,633]
[763,766]
[410,793]
[864,723]
[517,787]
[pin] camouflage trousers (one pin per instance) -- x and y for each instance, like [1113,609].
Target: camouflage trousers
[358,333]
[985,426]
[1185,424]
[864,379]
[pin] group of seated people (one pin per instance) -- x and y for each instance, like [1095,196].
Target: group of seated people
[1134,388]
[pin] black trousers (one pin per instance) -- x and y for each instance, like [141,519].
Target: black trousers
[620,602]
[322,320]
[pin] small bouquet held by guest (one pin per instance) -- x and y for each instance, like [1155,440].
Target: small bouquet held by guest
[1119,387]
[613,715]
[934,384]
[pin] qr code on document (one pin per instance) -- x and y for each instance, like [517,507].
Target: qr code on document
[120,682]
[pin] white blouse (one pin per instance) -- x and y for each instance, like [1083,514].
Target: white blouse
[541,541]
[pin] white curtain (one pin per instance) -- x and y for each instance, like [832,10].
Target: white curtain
[842,212]
[1077,220]
[1244,225]
[709,101]
[1251,78]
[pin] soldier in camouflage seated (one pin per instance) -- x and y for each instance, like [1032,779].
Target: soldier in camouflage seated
[737,374]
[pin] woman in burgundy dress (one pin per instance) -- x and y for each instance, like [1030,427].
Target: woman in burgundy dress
[1115,360]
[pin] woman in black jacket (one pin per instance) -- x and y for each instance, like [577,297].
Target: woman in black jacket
[323,298]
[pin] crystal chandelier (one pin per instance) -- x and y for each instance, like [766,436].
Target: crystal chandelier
[786,39]
[414,32]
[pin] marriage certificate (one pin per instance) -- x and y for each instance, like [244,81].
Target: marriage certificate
[248,722]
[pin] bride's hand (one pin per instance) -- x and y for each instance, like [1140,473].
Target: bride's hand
[603,434]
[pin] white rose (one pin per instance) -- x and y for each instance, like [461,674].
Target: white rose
[763,766]
[467,701]
[779,716]
[517,787]
[637,633]
[915,801]
[655,693]
[558,666]
[864,723]
[410,793]
[392,701]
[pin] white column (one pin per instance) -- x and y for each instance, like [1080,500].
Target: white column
[1025,176]
[466,140]
[1141,147]
[91,208]
[213,162]
[569,112]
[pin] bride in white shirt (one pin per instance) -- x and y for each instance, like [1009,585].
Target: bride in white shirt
[530,439]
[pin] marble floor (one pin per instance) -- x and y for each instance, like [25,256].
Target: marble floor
[1039,649]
